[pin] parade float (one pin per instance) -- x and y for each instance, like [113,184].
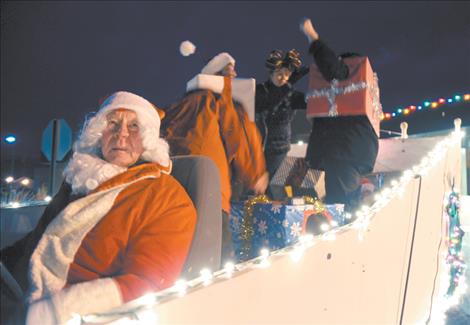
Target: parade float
[398,262]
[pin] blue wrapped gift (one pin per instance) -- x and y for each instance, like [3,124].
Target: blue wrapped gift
[273,225]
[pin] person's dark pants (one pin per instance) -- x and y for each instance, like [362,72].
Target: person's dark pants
[273,161]
[342,183]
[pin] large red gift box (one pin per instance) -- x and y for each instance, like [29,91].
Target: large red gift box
[357,95]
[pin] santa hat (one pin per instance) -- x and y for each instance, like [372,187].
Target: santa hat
[146,112]
[148,116]
[217,63]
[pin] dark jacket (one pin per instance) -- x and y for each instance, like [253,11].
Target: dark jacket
[347,138]
[274,112]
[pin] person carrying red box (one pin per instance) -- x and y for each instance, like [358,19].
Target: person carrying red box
[345,146]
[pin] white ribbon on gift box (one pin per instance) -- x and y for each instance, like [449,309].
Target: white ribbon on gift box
[334,90]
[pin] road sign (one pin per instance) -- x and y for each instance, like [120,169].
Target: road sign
[63,138]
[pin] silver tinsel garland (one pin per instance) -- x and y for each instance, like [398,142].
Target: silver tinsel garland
[334,90]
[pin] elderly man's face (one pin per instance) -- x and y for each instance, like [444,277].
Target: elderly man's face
[121,143]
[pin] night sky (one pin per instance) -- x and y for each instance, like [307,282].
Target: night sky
[59,58]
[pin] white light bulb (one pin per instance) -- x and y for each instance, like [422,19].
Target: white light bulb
[329,237]
[180,287]
[296,254]
[47,198]
[206,276]
[75,320]
[386,192]
[306,239]
[324,227]
[147,316]
[15,204]
[229,268]
[148,300]
[407,174]
[264,252]
[264,258]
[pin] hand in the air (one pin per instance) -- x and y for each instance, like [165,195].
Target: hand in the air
[307,28]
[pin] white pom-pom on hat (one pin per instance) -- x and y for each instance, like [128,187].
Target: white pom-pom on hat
[187,48]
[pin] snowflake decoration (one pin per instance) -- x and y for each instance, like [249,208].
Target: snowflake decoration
[295,229]
[278,235]
[290,210]
[276,208]
[285,223]
[262,227]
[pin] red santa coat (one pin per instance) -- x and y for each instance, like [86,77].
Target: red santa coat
[129,237]
[204,123]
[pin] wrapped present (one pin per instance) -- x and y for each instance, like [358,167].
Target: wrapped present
[257,224]
[294,172]
[357,95]
[243,89]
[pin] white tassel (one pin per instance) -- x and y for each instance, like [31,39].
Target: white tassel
[187,48]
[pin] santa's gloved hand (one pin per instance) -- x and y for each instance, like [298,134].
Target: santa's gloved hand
[41,312]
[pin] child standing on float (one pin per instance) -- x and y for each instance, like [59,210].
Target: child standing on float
[275,103]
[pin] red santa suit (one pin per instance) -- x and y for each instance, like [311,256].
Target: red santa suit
[112,233]
[208,124]
[129,237]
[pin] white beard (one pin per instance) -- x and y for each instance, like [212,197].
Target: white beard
[86,172]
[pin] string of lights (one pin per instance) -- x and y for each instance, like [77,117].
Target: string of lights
[452,282]
[426,105]
[141,310]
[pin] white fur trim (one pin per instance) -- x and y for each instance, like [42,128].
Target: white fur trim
[86,172]
[218,63]
[85,298]
[41,312]
[50,261]
[243,89]
[145,111]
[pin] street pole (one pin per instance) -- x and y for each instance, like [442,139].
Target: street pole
[55,143]
[13,160]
